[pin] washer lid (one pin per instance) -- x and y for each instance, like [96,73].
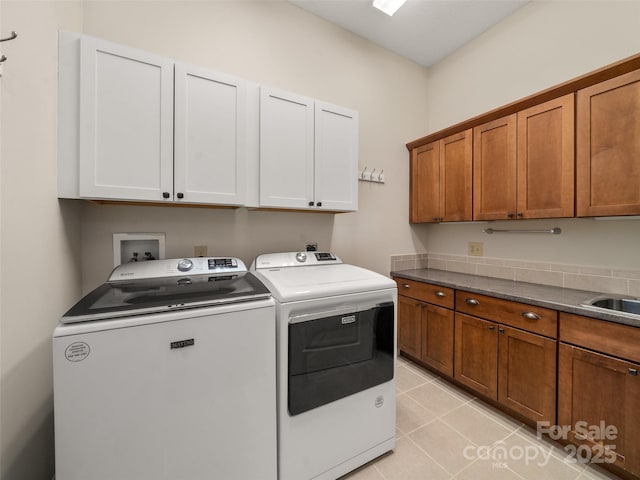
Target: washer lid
[153,295]
[288,284]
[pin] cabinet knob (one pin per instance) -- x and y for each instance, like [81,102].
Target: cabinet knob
[520,214]
[311,204]
[510,215]
[633,371]
[166,194]
[435,219]
[180,195]
[406,285]
[471,301]
[440,294]
[530,315]
[501,330]
[319,204]
[492,328]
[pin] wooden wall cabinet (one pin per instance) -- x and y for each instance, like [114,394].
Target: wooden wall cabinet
[608,147]
[524,163]
[441,180]
[509,355]
[601,385]
[570,150]
[426,323]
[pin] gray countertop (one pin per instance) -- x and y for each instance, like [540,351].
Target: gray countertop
[557,298]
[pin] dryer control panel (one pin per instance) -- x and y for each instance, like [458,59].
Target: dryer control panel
[295,259]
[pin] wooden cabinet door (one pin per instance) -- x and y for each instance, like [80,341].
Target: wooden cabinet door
[409,326]
[211,136]
[286,149]
[527,374]
[456,173]
[424,184]
[336,158]
[494,169]
[595,388]
[126,123]
[608,147]
[546,159]
[437,338]
[476,354]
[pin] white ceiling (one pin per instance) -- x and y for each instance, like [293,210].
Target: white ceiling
[424,31]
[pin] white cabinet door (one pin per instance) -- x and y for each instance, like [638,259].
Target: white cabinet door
[286,150]
[211,136]
[126,123]
[336,157]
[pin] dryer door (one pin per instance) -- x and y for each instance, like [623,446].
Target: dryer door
[339,354]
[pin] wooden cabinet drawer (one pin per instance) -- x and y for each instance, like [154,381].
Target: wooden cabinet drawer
[425,292]
[614,339]
[542,321]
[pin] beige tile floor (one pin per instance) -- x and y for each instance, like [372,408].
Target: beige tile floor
[443,433]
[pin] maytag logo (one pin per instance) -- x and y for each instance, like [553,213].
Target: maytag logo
[348,320]
[183,343]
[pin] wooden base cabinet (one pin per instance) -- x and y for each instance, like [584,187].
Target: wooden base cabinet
[425,325]
[599,385]
[437,338]
[476,354]
[527,373]
[409,326]
[597,390]
[508,355]
[516,368]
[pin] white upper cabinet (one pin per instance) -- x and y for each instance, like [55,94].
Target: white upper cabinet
[118,140]
[286,149]
[138,127]
[126,122]
[336,157]
[308,153]
[211,136]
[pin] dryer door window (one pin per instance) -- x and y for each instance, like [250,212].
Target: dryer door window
[339,355]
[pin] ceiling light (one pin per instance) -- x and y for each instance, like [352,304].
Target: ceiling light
[388,6]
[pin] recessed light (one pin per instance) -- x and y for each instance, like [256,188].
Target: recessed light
[388,6]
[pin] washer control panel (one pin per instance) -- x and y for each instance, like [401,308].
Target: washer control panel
[177,267]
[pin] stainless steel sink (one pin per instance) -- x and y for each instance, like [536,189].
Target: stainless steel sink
[616,304]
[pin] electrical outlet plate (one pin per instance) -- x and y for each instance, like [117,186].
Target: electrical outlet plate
[474,249]
[200,251]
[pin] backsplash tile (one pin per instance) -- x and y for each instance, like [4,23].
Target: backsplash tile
[580,277]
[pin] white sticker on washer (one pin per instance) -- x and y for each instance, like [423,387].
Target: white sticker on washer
[77,351]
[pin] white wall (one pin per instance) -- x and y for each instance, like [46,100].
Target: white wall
[38,239]
[541,45]
[281,45]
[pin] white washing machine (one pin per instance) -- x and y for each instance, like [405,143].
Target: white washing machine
[168,372]
[336,327]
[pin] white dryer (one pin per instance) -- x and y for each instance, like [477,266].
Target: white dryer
[336,337]
[167,372]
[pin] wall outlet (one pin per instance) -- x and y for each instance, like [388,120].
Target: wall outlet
[200,251]
[474,249]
